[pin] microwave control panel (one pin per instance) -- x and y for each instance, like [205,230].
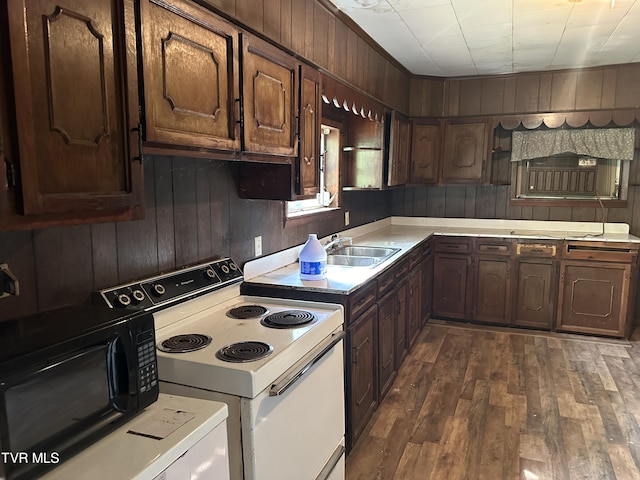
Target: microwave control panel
[147,369]
[164,290]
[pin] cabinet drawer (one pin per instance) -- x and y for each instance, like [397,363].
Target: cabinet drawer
[426,248]
[537,249]
[362,299]
[386,280]
[621,252]
[453,244]
[494,246]
[415,257]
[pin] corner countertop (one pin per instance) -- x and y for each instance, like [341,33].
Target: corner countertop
[281,269]
[125,455]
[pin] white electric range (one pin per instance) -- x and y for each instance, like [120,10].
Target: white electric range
[277,364]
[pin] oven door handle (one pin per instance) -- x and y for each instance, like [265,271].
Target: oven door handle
[332,463]
[283,383]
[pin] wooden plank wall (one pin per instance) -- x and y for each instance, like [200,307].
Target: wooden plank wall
[566,90]
[315,31]
[193,214]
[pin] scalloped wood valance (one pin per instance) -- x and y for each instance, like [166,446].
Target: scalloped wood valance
[597,118]
[342,96]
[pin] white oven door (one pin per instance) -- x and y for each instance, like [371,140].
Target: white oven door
[295,430]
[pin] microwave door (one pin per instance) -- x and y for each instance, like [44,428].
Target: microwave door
[60,398]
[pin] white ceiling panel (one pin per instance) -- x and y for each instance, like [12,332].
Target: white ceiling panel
[469,37]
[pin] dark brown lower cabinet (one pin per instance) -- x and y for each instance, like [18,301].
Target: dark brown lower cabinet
[427,289]
[363,388]
[535,292]
[492,289]
[386,342]
[594,298]
[414,307]
[450,289]
[401,349]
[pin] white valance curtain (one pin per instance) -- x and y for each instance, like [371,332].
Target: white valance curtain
[610,143]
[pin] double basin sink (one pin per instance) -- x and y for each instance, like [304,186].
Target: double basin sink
[359,256]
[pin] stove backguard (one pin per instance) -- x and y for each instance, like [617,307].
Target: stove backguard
[171,288]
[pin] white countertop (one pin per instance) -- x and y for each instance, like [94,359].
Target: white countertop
[281,269]
[123,455]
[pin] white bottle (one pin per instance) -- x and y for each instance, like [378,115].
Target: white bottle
[313,259]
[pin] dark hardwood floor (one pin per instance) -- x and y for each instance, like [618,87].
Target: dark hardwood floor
[490,403]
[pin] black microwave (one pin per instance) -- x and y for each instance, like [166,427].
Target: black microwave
[67,377]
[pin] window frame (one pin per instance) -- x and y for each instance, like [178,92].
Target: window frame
[324,213]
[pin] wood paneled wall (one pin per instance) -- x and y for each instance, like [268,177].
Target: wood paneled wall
[316,31]
[586,89]
[193,214]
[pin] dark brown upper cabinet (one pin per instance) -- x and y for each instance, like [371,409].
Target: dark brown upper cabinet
[466,151]
[191,81]
[298,177]
[269,98]
[73,110]
[425,151]
[307,181]
[399,149]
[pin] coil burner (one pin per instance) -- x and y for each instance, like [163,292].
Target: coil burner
[289,319]
[184,343]
[242,352]
[247,311]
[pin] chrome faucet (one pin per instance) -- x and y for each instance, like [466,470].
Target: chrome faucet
[337,242]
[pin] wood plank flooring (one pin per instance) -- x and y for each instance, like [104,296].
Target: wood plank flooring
[487,404]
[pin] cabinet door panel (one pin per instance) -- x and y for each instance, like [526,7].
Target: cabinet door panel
[363,387]
[535,298]
[425,152]
[450,289]
[72,106]
[465,152]
[593,298]
[308,163]
[386,344]
[492,290]
[189,81]
[399,145]
[414,313]
[427,289]
[269,93]
[401,325]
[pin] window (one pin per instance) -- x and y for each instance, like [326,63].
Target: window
[572,164]
[328,197]
[569,176]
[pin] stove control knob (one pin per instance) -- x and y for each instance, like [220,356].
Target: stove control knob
[233,266]
[209,272]
[224,268]
[158,290]
[124,300]
[138,295]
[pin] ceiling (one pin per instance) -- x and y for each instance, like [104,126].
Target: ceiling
[453,38]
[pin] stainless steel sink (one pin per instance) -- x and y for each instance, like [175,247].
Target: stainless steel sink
[352,261]
[360,256]
[362,251]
